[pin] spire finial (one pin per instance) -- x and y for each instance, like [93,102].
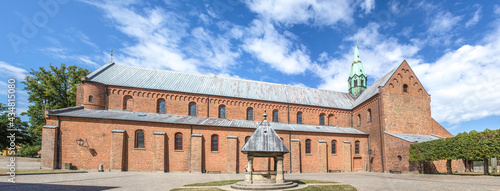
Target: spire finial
[265,115]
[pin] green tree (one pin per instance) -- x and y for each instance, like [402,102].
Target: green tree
[49,89]
[5,120]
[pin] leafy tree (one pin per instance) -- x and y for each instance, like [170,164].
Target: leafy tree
[49,89]
[20,135]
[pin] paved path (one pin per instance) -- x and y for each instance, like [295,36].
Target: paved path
[165,181]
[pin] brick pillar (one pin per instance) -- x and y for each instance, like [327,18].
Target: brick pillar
[323,156]
[295,156]
[160,151]
[196,153]
[117,149]
[232,154]
[279,171]
[49,147]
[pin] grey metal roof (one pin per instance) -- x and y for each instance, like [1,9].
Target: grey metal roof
[193,120]
[130,76]
[264,139]
[415,138]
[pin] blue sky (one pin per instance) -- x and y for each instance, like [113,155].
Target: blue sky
[453,46]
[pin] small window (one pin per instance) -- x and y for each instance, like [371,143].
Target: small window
[178,141]
[369,114]
[222,111]
[359,119]
[246,139]
[308,146]
[250,114]
[334,147]
[356,147]
[299,117]
[405,88]
[322,119]
[355,83]
[139,139]
[400,158]
[275,116]
[362,83]
[192,109]
[215,142]
[91,99]
[161,106]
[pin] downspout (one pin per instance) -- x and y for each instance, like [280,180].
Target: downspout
[290,146]
[288,112]
[190,147]
[380,132]
[58,148]
[369,156]
[107,98]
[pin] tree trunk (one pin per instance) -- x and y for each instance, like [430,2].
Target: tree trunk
[485,166]
[448,167]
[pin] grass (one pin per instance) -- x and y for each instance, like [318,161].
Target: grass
[328,188]
[215,183]
[5,172]
[305,181]
[195,189]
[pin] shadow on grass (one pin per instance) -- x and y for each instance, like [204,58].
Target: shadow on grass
[56,187]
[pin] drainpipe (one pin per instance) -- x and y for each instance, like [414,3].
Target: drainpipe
[208,110]
[190,146]
[380,132]
[290,146]
[288,112]
[58,148]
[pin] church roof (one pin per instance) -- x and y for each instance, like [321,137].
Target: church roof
[414,138]
[156,79]
[194,120]
[265,139]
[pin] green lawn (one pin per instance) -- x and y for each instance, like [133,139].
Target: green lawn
[4,172]
[196,189]
[305,181]
[215,183]
[328,188]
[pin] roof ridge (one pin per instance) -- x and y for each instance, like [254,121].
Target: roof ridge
[225,77]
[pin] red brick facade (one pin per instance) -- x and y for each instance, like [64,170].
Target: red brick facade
[112,143]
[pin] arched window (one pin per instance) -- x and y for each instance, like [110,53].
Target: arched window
[355,83]
[250,113]
[299,117]
[275,116]
[128,103]
[192,109]
[359,119]
[334,147]
[308,146]
[139,139]
[322,119]
[215,142]
[161,106]
[178,141]
[405,88]
[356,147]
[369,114]
[362,83]
[91,99]
[400,158]
[246,139]
[222,111]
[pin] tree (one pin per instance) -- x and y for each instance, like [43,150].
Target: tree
[20,135]
[49,89]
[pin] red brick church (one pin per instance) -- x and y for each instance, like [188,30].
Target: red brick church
[139,119]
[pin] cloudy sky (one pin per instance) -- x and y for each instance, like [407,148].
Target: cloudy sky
[453,46]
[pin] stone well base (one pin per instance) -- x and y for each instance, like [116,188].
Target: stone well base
[263,186]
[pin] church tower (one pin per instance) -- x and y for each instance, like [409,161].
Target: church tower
[357,77]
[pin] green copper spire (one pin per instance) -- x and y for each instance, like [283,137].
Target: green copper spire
[357,77]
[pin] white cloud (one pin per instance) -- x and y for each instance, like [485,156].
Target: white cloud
[317,12]
[163,40]
[9,71]
[443,22]
[64,55]
[475,18]
[379,54]
[368,5]
[269,46]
